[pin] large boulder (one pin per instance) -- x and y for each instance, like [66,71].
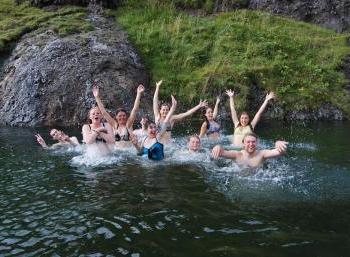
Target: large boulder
[333,14]
[47,79]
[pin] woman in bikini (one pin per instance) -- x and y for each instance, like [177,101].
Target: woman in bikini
[151,147]
[210,127]
[97,135]
[244,126]
[122,124]
[161,113]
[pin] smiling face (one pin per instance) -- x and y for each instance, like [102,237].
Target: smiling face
[244,119]
[152,130]
[209,114]
[121,117]
[194,144]
[55,134]
[249,142]
[95,115]
[164,109]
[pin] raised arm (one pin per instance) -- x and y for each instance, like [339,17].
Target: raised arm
[181,116]
[168,116]
[41,141]
[131,119]
[257,116]
[280,149]
[203,130]
[218,151]
[231,95]
[156,101]
[109,118]
[216,108]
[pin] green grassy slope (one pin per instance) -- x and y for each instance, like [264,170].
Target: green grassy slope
[16,20]
[201,56]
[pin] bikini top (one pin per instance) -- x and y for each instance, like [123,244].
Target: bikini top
[214,127]
[98,138]
[118,137]
[155,152]
[168,126]
[241,131]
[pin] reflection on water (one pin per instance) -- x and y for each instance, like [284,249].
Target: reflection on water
[64,203]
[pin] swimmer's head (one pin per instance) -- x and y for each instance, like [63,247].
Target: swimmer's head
[164,109]
[194,143]
[144,121]
[151,129]
[55,134]
[209,115]
[244,119]
[250,142]
[121,116]
[95,115]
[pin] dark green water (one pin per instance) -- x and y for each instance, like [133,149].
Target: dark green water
[54,205]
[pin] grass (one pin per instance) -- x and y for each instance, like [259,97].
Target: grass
[202,56]
[16,20]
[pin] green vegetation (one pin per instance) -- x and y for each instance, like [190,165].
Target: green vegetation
[16,20]
[202,56]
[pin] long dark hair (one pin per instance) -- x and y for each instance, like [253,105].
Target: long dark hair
[205,117]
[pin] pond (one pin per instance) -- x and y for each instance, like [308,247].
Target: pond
[57,203]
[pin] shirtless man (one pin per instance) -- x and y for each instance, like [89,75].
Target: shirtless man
[194,144]
[57,135]
[249,156]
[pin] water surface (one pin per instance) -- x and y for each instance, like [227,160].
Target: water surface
[55,203]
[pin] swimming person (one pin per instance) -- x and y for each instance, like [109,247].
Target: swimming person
[160,114]
[58,135]
[142,132]
[122,124]
[194,144]
[249,156]
[243,125]
[151,147]
[210,127]
[97,135]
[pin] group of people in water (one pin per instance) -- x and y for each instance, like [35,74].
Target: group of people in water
[105,134]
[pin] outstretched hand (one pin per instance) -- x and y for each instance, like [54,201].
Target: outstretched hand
[96,91]
[203,103]
[140,89]
[217,99]
[40,140]
[133,139]
[173,101]
[270,96]
[159,83]
[230,93]
[281,146]
[216,152]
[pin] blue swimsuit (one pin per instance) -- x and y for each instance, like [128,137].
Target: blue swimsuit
[214,127]
[155,152]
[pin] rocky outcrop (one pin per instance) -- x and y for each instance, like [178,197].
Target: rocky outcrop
[47,79]
[333,14]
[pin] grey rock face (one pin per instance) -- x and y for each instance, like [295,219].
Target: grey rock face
[333,14]
[47,79]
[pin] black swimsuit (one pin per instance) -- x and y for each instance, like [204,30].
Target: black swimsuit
[99,139]
[125,137]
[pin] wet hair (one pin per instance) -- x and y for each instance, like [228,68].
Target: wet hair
[93,108]
[121,110]
[52,131]
[205,117]
[250,134]
[193,136]
[150,122]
